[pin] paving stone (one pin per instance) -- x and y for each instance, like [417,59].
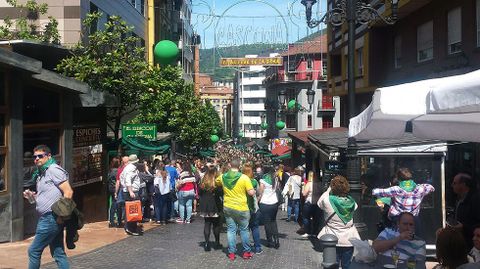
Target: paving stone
[180,246]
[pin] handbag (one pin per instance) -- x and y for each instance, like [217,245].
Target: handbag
[173,196]
[133,211]
[280,197]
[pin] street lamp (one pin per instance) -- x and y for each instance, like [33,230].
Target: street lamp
[353,12]
[310,98]
[282,94]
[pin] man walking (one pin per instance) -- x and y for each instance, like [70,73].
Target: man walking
[236,187]
[467,209]
[130,182]
[52,184]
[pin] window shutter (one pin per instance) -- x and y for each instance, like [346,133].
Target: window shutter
[454,26]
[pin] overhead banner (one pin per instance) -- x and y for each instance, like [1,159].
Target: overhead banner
[263,61]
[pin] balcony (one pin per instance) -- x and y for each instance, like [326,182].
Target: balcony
[326,107]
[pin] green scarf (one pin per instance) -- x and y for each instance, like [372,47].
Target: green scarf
[40,170]
[343,206]
[268,179]
[407,185]
[230,179]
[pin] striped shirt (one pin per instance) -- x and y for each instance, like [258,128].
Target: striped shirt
[404,201]
[406,248]
[48,191]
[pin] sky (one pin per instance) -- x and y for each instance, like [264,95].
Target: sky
[223,23]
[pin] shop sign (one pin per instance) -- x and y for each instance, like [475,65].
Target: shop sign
[148,131]
[87,156]
[263,61]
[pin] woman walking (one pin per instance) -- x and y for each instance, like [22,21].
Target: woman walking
[308,207]
[339,206]
[161,184]
[112,180]
[210,207]
[186,193]
[293,189]
[254,213]
[269,206]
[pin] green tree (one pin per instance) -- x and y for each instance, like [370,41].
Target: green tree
[26,27]
[173,106]
[112,62]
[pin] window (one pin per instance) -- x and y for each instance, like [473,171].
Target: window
[397,51]
[253,100]
[360,62]
[309,64]
[327,122]
[290,121]
[454,30]
[478,23]
[251,113]
[309,121]
[425,42]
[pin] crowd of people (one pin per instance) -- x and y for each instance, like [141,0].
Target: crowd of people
[239,190]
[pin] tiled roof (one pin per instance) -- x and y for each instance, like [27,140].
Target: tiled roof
[316,45]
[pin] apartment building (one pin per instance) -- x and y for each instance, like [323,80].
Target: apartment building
[71,13]
[251,96]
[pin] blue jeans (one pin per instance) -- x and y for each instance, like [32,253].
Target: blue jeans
[254,223]
[48,233]
[112,210]
[308,214]
[235,218]
[344,256]
[295,205]
[161,205]
[185,201]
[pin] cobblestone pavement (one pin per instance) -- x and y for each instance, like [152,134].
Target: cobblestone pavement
[180,246]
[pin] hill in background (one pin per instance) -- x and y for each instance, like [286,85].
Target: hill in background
[210,58]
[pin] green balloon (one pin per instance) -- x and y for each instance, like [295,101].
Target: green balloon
[280,125]
[264,126]
[214,138]
[240,134]
[165,51]
[291,104]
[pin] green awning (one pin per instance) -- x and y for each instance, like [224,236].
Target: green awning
[143,144]
[207,153]
[283,157]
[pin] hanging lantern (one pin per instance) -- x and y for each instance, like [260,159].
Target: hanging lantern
[280,125]
[165,51]
[264,126]
[214,138]
[291,104]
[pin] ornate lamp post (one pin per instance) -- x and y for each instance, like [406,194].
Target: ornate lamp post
[352,12]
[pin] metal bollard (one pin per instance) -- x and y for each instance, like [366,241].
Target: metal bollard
[329,243]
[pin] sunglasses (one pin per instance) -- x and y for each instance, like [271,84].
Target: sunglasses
[39,156]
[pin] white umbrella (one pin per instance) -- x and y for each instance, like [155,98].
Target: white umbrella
[391,108]
[444,108]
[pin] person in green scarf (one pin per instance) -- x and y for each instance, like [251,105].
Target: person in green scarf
[338,207]
[406,197]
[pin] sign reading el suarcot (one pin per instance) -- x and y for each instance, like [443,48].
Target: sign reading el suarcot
[265,61]
[148,131]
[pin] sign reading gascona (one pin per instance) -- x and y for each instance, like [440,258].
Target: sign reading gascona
[266,61]
[148,131]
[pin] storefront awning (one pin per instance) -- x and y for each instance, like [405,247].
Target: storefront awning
[143,144]
[302,137]
[339,140]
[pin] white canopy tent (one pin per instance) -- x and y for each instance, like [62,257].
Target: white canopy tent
[445,108]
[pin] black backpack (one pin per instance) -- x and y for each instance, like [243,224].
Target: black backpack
[111,181]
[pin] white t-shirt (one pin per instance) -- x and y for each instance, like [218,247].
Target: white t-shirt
[269,197]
